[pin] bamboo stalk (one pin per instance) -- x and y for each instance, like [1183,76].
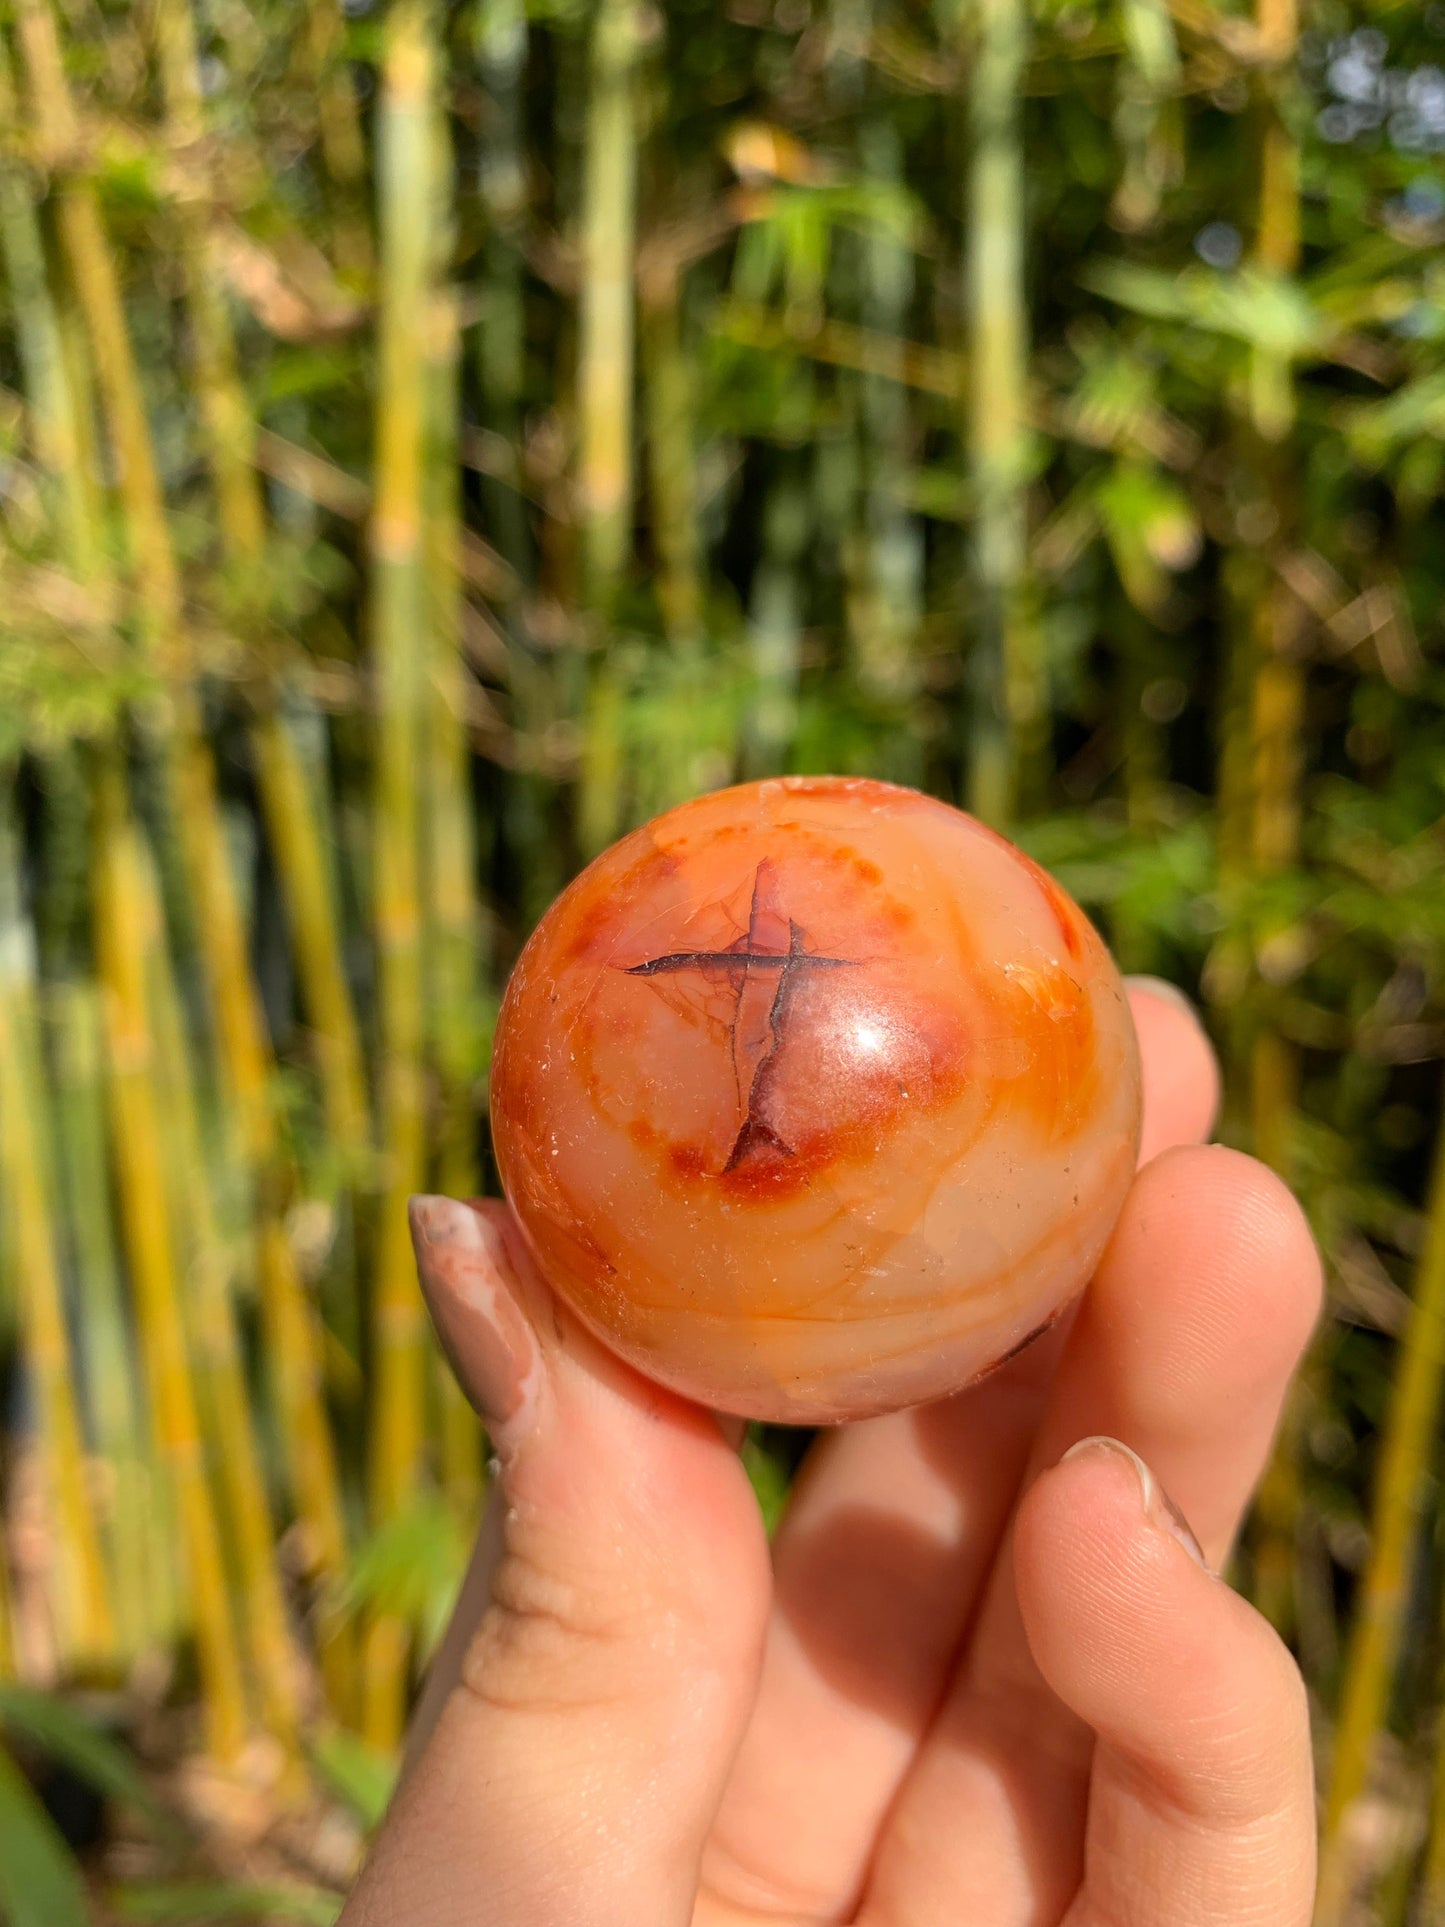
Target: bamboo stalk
[136,1141]
[454,938]
[92,270]
[775,623]
[399,616]
[1277,697]
[306,885]
[82,1596]
[230,437]
[884,639]
[1008,719]
[1257,812]
[501,44]
[1260,783]
[55,425]
[219,923]
[139,1553]
[137,1543]
[1430,1910]
[228,428]
[285,794]
[290,1318]
[215,1339]
[601,787]
[606,325]
[672,464]
[153,564]
[1373,1649]
[501,378]
[342,146]
[1277,702]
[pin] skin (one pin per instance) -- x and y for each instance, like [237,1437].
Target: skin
[975,1679]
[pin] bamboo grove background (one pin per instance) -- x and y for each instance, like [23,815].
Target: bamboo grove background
[434,438]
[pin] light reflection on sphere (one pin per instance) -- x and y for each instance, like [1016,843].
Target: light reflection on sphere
[815,1098]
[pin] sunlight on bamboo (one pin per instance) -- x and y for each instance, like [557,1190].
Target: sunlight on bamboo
[1008,696]
[406,175]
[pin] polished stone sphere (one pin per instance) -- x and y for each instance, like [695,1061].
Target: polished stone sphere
[815,1098]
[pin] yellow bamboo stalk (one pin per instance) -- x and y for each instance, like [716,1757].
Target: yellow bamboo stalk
[57,379]
[296,845]
[342,147]
[399,616]
[137,1146]
[232,996]
[1009,713]
[243,1050]
[92,269]
[455,964]
[290,1317]
[606,324]
[1430,1909]
[139,1553]
[215,1340]
[152,558]
[55,424]
[82,1601]
[893,562]
[1261,768]
[292,1326]
[230,438]
[501,48]
[226,419]
[1400,1482]
[1277,697]
[97,286]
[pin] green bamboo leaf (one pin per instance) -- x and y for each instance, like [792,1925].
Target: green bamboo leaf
[1148,291]
[198,1903]
[1152,45]
[59,1730]
[356,1773]
[1414,410]
[410,1566]
[1151,528]
[1268,311]
[40,1884]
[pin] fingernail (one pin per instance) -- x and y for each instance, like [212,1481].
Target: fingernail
[483,1331]
[1166,993]
[1159,1509]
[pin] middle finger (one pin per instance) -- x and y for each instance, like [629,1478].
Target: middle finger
[890,1533]
[1182,1350]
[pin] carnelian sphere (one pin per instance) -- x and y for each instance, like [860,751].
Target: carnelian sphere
[815,1098]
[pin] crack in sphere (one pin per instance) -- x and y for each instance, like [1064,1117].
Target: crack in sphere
[815,1098]
[755,1137]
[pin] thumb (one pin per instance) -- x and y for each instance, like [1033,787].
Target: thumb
[577,1761]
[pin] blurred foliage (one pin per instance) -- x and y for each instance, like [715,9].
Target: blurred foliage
[365,566]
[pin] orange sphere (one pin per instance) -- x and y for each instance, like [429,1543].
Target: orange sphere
[815,1098]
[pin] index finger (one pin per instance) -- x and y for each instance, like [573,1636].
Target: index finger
[1181,1072]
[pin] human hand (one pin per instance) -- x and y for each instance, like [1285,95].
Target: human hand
[982,1678]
